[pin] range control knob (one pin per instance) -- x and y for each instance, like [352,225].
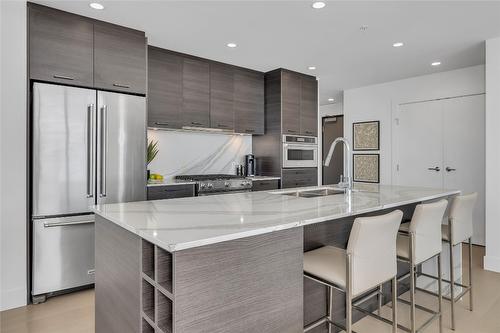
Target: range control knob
[210,186]
[226,184]
[203,186]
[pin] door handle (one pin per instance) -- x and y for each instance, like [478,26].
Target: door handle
[120,85]
[434,169]
[90,150]
[65,224]
[104,146]
[450,169]
[57,76]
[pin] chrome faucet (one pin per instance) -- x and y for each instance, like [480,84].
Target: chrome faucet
[345,181]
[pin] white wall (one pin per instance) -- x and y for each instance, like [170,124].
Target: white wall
[376,102]
[492,258]
[198,153]
[13,154]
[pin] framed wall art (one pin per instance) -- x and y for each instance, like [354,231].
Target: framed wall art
[366,168]
[366,135]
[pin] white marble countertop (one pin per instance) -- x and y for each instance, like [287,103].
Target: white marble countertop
[177,224]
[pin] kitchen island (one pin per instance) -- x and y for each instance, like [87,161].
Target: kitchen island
[227,263]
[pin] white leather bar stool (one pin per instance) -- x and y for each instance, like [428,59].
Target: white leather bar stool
[418,241]
[459,230]
[368,261]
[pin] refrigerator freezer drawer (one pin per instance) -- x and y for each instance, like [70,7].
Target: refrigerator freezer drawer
[63,253]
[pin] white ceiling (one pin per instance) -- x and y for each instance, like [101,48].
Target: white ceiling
[290,34]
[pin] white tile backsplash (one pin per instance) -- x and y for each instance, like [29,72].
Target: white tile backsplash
[197,152]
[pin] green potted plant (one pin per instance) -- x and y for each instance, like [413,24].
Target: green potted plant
[151,153]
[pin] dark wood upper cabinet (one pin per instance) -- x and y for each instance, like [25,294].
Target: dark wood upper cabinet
[60,46]
[309,107]
[248,101]
[290,95]
[221,96]
[164,88]
[196,93]
[119,58]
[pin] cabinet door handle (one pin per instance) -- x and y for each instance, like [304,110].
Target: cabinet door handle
[450,169]
[161,123]
[222,126]
[56,76]
[249,130]
[309,132]
[434,169]
[196,123]
[119,85]
[291,131]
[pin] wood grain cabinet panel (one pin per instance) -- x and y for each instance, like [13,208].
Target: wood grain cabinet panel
[221,96]
[249,101]
[171,191]
[164,88]
[119,58]
[299,177]
[196,93]
[290,95]
[60,47]
[265,185]
[309,107]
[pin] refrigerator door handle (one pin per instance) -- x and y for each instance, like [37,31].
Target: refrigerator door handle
[104,145]
[65,224]
[90,150]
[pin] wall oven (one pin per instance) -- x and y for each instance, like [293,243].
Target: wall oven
[300,151]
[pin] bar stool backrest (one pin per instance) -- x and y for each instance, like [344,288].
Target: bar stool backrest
[372,246]
[426,226]
[461,211]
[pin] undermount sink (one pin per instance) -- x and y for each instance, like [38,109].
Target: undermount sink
[315,193]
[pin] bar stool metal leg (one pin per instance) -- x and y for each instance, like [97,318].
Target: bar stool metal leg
[380,300]
[471,302]
[395,305]
[452,287]
[348,296]
[330,309]
[412,284]
[440,293]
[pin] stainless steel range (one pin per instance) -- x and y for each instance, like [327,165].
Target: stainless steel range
[218,183]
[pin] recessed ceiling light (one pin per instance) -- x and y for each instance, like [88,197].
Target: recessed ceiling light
[96,5]
[318,4]
[331,99]
[232,45]
[311,68]
[398,44]
[436,63]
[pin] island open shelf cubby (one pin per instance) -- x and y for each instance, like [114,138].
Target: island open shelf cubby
[157,296]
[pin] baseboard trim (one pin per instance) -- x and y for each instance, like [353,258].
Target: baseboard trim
[492,263]
[12,298]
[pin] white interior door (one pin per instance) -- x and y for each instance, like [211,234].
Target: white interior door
[464,152]
[418,144]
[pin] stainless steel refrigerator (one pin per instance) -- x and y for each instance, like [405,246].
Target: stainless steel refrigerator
[88,147]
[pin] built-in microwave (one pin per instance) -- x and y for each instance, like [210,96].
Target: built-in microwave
[300,151]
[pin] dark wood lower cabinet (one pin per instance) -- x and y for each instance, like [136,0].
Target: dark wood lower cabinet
[171,191]
[265,185]
[299,177]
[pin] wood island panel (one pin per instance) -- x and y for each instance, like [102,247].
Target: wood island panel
[247,285]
